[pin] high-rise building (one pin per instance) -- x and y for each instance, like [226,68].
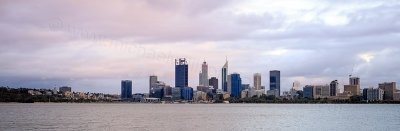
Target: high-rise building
[389,88]
[64,89]
[152,83]
[334,87]
[275,80]
[203,76]
[229,85]
[181,73]
[213,82]
[354,86]
[308,91]
[374,94]
[126,89]
[236,85]
[224,77]
[257,81]
[352,89]
[321,91]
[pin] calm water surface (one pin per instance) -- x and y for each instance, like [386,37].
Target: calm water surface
[199,117]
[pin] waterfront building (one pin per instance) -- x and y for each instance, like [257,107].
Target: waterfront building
[167,90]
[352,89]
[176,93]
[334,86]
[373,94]
[396,96]
[275,80]
[308,91]
[152,83]
[187,93]
[389,88]
[321,91]
[203,75]
[354,86]
[213,82]
[64,89]
[181,73]
[126,89]
[224,77]
[257,81]
[236,85]
[158,93]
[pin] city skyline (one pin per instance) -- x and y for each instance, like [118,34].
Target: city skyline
[313,42]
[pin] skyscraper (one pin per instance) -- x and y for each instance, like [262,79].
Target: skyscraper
[257,81]
[229,84]
[126,89]
[333,87]
[236,83]
[152,83]
[181,73]
[275,80]
[203,76]
[224,77]
[354,86]
[213,82]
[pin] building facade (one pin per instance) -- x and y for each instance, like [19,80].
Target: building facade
[389,88]
[203,75]
[126,89]
[152,83]
[308,91]
[275,80]
[224,77]
[187,93]
[181,73]
[334,86]
[374,94]
[213,82]
[257,81]
[229,84]
[176,93]
[236,85]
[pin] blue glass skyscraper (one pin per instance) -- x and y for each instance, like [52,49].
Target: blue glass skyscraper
[275,80]
[126,89]
[236,85]
[181,73]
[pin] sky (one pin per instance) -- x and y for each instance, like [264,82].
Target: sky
[91,45]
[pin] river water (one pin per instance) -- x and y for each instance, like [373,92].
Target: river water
[203,117]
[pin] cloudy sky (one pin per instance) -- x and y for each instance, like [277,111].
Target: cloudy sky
[93,44]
